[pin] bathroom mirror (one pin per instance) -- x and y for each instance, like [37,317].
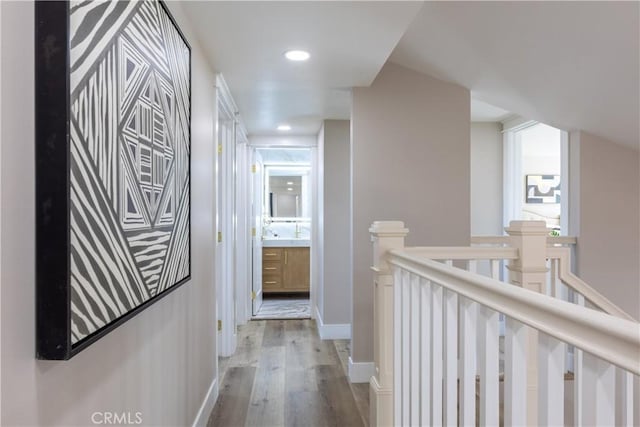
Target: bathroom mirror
[287,190]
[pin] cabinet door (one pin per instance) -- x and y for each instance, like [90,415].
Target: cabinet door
[295,272]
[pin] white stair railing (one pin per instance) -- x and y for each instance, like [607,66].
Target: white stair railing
[437,343]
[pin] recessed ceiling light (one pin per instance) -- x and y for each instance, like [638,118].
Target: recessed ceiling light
[284,127]
[297,55]
[290,189]
[290,183]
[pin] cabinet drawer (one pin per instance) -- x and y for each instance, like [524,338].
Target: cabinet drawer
[271,268]
[269,283]
[271,254]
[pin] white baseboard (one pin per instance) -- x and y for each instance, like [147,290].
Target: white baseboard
[202,417]
[361,372]
[340,331]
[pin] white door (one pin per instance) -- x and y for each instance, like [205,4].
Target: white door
[257,212]
[225,248]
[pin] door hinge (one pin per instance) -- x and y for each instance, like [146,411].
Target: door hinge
[253,295]
[253,232]
[219,236]
[219,148]
[219,325]
[253,168]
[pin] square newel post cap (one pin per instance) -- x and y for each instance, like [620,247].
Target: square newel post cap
[527,228]
[388,229]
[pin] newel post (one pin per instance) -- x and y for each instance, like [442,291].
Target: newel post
[386,236]
[529,271]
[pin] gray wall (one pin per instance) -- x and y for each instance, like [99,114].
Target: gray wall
[160,363]
[486,178]
[410,162]
[336,308]
[317,229]
[605,181]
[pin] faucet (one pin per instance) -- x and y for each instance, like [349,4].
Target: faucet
[297,230]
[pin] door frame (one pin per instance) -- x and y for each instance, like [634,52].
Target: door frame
[311,143]
[513,189]
[226,123]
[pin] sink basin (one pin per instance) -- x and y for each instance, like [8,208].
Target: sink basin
[285,242]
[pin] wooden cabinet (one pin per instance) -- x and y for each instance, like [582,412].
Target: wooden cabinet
[285,269]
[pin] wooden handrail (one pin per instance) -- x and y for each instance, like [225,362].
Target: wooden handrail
[608,337]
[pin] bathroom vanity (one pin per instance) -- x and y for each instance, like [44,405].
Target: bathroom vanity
[285,266]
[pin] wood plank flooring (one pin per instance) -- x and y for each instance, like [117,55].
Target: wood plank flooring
[283,374]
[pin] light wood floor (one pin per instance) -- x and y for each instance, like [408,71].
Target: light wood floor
[283,374]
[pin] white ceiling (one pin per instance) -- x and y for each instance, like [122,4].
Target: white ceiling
[573,65]
[348,41]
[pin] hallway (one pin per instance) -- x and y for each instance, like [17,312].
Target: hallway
[283,374]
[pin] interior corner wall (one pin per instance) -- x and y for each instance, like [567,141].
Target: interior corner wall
[410,159]
[162,362]
[606,178]
[337,223]
[317,258]
[486,178]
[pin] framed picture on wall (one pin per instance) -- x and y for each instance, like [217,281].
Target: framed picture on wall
[113,143]
[543,189]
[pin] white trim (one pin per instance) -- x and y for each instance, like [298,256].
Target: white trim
[361,372]
[207,405]
[516,123]
[564,182]
[511,178]
[337,331]
[225,95]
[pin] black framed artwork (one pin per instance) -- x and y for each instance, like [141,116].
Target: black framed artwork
[113,143]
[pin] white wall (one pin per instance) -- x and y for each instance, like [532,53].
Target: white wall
[337,223]
[410,162]
[605,180]
[160,363]
[486,178]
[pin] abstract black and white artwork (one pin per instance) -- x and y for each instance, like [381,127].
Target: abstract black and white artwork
[123,192]
[543,189]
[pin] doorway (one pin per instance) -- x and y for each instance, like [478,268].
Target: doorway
[536,175]
[282,206]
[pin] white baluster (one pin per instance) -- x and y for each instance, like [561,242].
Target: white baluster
[425,352]
[495,269]
[626,398]
[551,382]
[488,366]
[549,287]
[436,355]
[515,373]
[451,358]
[554,283]
[397,347]
[414,372]
[598,393]
[406,349]
[468,317]
[578,371]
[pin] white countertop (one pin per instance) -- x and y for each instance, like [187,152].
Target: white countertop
[285,242]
